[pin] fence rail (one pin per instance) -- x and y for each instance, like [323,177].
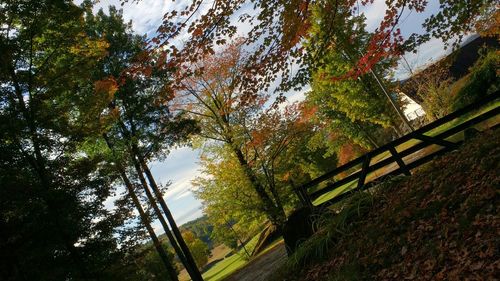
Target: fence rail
[425,139]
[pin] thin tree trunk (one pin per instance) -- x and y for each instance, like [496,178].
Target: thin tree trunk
[146,221]
[164,224]
[144,217]
[192,268]
[394,105]
[368,136]
[275,215]
[277,199]
[237,236]
[152,183]
[386,93]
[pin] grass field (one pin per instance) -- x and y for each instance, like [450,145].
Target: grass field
[231,263]
[225,267]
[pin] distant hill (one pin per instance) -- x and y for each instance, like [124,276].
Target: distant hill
[202,228]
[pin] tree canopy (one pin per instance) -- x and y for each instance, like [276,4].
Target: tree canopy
[86,105]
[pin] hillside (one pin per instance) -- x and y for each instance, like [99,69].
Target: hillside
[202,229]
[439,224]
[455,65]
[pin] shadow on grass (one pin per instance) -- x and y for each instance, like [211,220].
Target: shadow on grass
[235,258]
[211,264]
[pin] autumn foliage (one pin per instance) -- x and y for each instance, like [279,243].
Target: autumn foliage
[277,30]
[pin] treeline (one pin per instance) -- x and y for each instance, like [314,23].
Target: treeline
[202,229]
[82,112]
[85,105]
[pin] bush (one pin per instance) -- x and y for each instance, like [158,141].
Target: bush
[482,80]
[438,99]
[332,226]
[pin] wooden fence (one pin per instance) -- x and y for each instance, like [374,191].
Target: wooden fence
[427,136]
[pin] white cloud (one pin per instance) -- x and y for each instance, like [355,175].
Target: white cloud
[146,15]
[374,14]
[297,96]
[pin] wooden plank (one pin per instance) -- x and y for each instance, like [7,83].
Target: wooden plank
[337,199]
[476,120]
[400,161]
[412,149]
[335,185]
[307,198]
[333,173]
[364,170]
[371,184]
[435,140]
[408,151]
[427,158]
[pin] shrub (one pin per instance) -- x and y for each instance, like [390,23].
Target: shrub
[332,226]
[438,99]
[482,80]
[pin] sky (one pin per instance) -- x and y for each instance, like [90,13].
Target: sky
[181,166]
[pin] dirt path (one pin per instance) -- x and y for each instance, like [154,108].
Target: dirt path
[261,267]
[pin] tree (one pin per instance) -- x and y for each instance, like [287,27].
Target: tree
[223,112]
[202,228]
[229,201]
[145,217]
[335,44]
[151,266]
[198,248]
[53,222]
[136,121]
[346,109]
[278,29]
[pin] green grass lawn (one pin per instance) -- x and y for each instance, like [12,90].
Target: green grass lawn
[454,138]
[225,267]
[231,263]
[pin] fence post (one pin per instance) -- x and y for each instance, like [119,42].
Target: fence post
[400,161]
[302,194]
[307,199]
[364,170]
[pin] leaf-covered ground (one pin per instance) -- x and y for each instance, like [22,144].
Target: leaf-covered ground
[441,223]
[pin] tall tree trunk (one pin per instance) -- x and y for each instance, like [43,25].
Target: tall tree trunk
[237,236]
[191,267]
[277,199]
[393,103]
[146,221]
[275,214]
[384,90]
[368,135]
[175,229]
[144,216]
[164,224]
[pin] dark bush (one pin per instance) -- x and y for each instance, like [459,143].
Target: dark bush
[483,79]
